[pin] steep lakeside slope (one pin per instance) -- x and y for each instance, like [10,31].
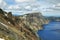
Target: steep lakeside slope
[22,27]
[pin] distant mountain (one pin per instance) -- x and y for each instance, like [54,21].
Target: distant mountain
[22,27]
[52,18]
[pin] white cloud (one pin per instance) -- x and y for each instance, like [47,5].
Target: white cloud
[12,7]
[34,9]
[21,0]
[53,8]
[56,5]
[2,3]
[28,7]
[24,1]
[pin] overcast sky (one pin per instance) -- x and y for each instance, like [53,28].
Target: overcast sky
[46,7]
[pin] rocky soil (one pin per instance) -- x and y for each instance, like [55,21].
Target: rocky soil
[22,27]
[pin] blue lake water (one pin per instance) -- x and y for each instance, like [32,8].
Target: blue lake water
[51,31]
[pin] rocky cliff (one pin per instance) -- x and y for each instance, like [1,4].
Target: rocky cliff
[22,27]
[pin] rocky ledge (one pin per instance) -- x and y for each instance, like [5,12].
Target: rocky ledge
[23,27]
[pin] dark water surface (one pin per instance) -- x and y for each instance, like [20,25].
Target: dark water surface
[51,31]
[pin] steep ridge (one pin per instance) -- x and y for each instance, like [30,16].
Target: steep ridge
[22,27]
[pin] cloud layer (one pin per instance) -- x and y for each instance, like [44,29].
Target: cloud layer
[18,1]
[24,6]
[2,3]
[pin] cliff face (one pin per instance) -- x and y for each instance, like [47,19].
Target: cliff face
[34,20]
[22,27]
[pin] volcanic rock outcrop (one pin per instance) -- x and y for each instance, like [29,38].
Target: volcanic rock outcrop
[22,27]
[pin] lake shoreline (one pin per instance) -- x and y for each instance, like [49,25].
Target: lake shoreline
[50,31]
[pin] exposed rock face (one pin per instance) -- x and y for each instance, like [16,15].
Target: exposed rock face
[35,20]
[23,27]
